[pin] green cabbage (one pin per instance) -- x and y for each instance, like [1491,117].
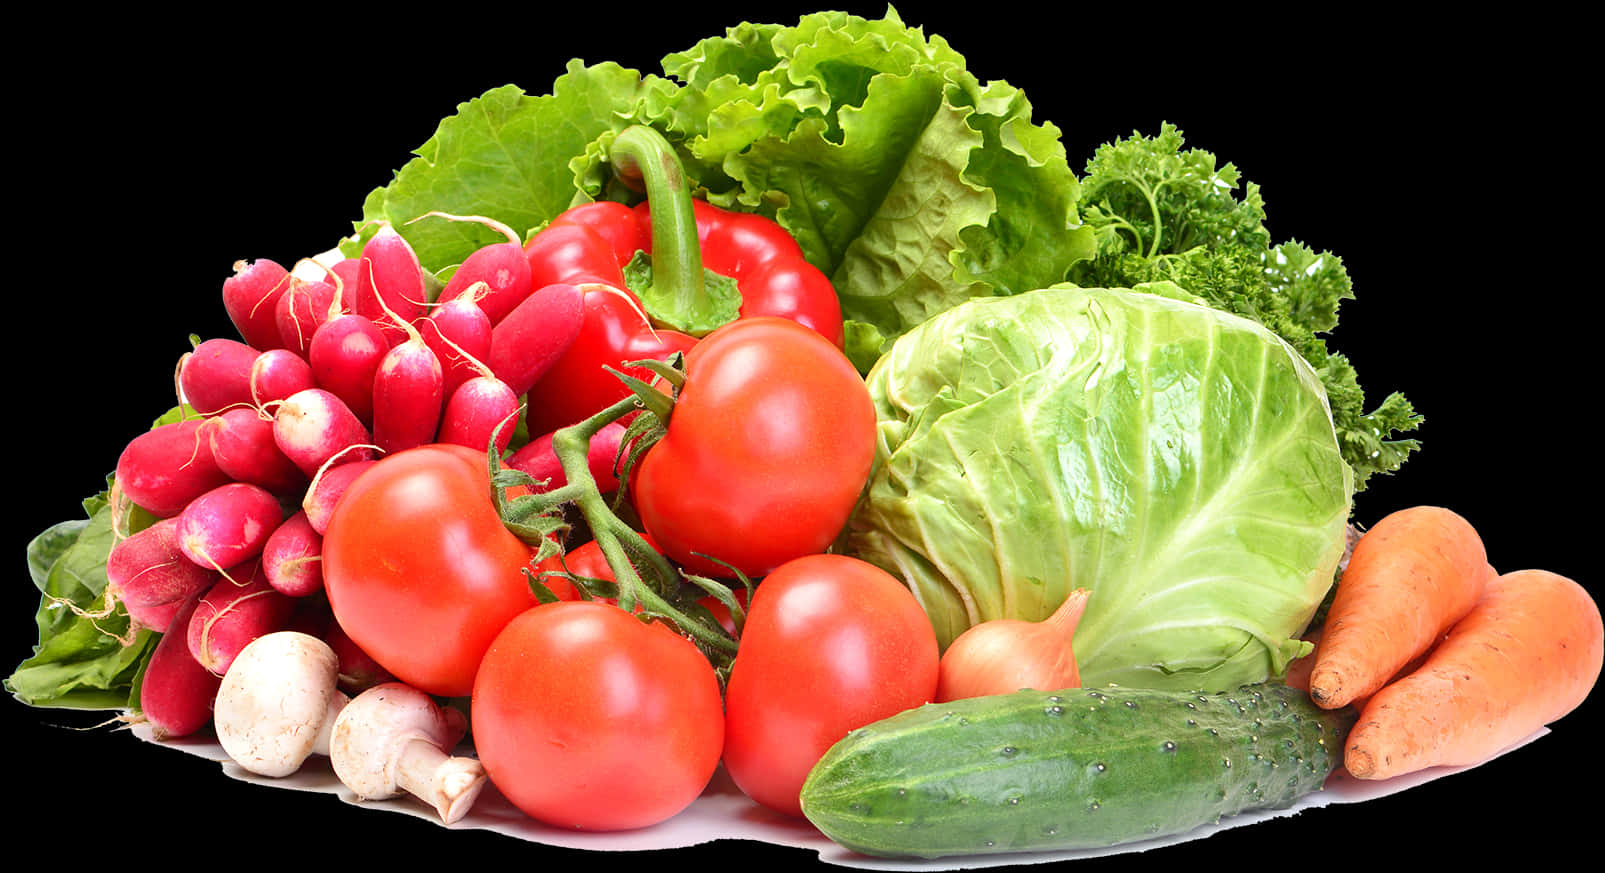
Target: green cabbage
[1177,461]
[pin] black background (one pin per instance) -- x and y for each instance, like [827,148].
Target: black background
[1449,172]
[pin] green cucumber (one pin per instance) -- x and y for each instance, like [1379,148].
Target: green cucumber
[1082,768]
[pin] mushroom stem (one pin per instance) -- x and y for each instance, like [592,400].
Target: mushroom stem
[393,739]
[450,784]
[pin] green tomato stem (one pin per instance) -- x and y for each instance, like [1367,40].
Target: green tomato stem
[571,445]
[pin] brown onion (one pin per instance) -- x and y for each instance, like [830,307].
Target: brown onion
[1004,655]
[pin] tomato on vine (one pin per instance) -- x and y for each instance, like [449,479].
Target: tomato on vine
[586,717]
[768,445]
[420,569]
[831,643]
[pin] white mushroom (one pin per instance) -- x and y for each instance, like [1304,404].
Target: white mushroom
[277,703]
[393,738]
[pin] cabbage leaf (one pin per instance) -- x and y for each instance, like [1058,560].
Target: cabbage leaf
[1177,461]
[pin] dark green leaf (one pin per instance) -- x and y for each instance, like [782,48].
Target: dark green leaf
[87,656]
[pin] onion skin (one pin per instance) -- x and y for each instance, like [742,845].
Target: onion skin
[1006,655]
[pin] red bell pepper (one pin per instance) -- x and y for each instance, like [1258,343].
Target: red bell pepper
[697,252]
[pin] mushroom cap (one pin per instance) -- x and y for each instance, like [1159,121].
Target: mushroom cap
[274,701]
[370,733]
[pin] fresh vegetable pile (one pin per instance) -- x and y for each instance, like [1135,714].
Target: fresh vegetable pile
[802,413]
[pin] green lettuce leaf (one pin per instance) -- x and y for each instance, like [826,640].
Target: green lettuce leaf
[506,155]
[86,657]
[910,183]
[83,660]
[906,180]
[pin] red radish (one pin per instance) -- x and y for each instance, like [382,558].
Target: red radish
[166,467]
[390,280]
[278,373]
[228,525]
[176,692]
[345,355]
[408,394]
[157,617]
[251,297]
[292,559]
[475,411]
[243,446]
[459,333]
[479,407]
[526,343]
[324,493]
[216,375]
[232,614]
[358,671]
[302,309]
[148,574]
[500,270]
[343,274]
[314,425]
[538,460]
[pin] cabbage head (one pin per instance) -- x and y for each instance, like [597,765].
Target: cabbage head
[1178,462]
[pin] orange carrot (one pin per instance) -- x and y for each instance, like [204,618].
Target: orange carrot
[1527,654]
[1411,577]
[1298,670]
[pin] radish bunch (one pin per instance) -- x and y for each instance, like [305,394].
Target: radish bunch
[333,369]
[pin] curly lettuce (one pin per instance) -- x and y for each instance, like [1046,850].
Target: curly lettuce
[907,180]
[1162,213]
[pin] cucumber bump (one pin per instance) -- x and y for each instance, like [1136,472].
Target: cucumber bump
[1080,768]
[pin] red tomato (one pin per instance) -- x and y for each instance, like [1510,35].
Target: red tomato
[584,717]
[420,571]
[769,445]
[831,643]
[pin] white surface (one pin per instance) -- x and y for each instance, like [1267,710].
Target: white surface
[723,812]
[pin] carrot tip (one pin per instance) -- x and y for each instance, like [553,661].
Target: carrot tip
[1326,689]
[1359,763]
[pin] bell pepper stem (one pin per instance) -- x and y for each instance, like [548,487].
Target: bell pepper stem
[642,154]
